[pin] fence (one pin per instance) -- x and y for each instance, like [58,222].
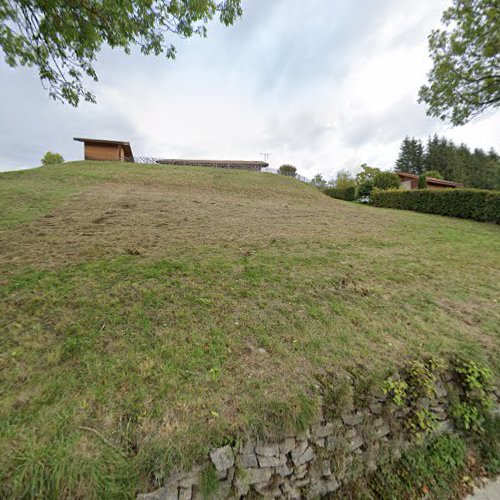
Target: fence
[257,166]
[269,170]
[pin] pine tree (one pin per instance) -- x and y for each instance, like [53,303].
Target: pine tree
[476,169]
[411,156]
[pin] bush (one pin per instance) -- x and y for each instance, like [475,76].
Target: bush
[422,181]
[52,158]
[365,189]
[477,204]
[386,180]
[289,170]
[435,174]
[347,194]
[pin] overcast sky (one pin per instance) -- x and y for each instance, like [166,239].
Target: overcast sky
[322,84]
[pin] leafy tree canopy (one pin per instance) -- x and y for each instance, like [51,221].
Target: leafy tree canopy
[367,173]
[52,158]
[343,180]
[465,78]
[61,38]
[318,181]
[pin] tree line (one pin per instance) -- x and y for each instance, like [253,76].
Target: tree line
[445,159]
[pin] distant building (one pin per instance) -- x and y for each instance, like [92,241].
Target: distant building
[104,150]
[410,181]
[100,149]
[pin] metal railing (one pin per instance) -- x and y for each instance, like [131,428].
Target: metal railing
[256,166]
[269,170]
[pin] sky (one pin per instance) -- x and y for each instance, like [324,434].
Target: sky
[324,85]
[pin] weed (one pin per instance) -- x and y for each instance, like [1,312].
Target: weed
[397,390]
[209,482]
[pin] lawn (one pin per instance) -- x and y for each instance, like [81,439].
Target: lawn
[148,313]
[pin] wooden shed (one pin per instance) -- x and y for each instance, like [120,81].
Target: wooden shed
[410,181]
[104,150]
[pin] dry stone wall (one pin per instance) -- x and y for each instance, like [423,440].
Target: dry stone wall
[317,462]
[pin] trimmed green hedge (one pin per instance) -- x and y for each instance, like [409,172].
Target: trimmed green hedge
[348,194]
[477,204]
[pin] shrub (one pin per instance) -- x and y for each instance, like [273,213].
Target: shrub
[435,174]
[289,170]
[422,181]
[386,180]
[365,188]
[477,204]
[347,194]
[52,158]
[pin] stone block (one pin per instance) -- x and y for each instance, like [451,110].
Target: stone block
[271,461]
[331,443]
[247,448]
[351,433]
[222,458]
[267,450]
[287,445]
[443,426]
[355,443]
[304,457]
[323,431]
[331,485]
[325,468]
[320,442]
[247,460]
[263,489]
[382,431]
[300,447]
[255,475]
[284,471]
[290,491]
[300,472]
[167,493]
[300,483]
[224,489]
[423,403]
[352,420]
[187,480]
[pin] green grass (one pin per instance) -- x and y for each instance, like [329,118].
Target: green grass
[148,313]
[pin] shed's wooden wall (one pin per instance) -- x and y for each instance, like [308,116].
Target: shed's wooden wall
[95,151]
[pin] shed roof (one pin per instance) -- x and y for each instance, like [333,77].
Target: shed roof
[431,180]
[126,145]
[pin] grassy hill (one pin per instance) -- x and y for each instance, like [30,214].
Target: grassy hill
[148,313]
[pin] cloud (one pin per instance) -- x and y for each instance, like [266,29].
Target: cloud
[323,84]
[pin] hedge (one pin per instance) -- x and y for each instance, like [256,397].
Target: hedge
[477,204]
[348,194]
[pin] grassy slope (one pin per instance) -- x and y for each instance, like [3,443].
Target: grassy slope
[148,312]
